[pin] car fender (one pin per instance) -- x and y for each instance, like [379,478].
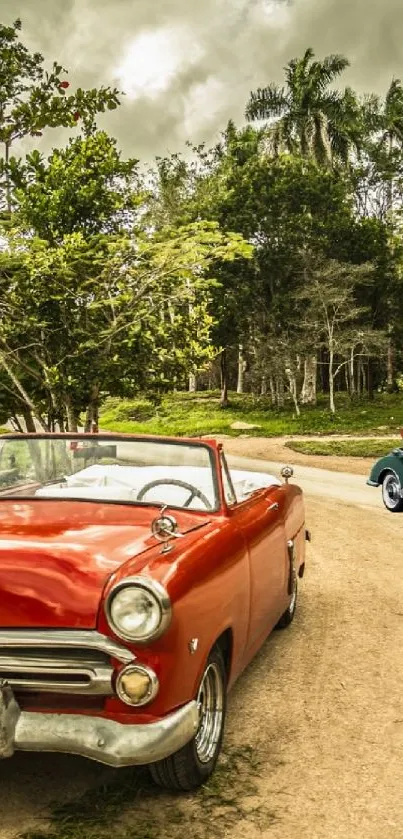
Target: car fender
[392,462]
[208,598]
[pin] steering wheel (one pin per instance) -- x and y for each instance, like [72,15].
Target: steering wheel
[194,492]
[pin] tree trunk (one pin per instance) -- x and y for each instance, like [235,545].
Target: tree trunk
[224,379]
[241,369]
[16,424]
[370,379]
[272,390]
[390,369]
[21,390]
[292,380]
[364,378]
[192,383]
[72,418]
[92,414]
[279,392]
[331,383]
[8,185]
[351,372]
[29,420]
[308,391]
[263,386]
[347,379]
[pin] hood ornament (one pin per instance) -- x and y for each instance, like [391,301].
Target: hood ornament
[164,528]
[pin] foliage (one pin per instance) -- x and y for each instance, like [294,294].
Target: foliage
[131,310]
[345,448]
[33,99]
[272,262]
[187,414]
[85,188]
[309,115]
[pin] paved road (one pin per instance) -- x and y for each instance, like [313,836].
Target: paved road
[319,483]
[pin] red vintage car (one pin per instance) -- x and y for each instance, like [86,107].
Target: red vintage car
[138,577]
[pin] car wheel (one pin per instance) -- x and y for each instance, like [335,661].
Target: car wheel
[288,616]
[192,765]
[391,493]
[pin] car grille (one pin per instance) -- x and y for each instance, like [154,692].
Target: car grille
[68,662]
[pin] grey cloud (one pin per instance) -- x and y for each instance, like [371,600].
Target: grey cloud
[233,46]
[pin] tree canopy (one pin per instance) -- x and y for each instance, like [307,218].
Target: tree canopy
[271,262]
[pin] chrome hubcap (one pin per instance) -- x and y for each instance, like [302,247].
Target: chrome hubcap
[210,701]
[391,491]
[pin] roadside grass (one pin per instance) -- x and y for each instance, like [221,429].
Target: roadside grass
[345,448]
[131,808]
[193,415]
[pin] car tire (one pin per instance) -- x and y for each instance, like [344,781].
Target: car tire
[288,616]
[192,765]
[391,493]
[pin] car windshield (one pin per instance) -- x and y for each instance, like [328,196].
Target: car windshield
[178,474]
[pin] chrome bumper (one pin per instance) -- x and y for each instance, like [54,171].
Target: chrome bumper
[93,737]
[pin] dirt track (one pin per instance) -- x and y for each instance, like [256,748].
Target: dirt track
[321,706]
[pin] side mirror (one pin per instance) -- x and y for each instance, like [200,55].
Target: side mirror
[287,473]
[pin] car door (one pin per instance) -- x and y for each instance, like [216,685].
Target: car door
[260,520]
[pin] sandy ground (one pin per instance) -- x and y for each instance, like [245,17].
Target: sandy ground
[315,724]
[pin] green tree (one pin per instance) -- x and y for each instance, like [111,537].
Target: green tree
[309,116]
[33,99]
[332,317]
[85,187]
[88,313]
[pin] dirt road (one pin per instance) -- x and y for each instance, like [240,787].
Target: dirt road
[314,740]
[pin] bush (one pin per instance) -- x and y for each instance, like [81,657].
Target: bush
[124,410]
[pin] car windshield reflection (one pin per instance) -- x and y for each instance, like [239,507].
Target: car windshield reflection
[178,474]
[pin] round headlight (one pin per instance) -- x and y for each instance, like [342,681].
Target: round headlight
[138,609]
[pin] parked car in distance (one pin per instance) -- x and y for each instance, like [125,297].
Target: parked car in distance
[387,472]
[138,577]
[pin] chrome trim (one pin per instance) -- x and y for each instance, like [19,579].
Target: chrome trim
[62,638]
[103,740]
[158,591]
[56,675]
[154,685]
[292,559]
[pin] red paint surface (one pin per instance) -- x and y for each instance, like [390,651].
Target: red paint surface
[58,560]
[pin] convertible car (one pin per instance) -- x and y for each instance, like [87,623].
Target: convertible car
[388,473]
[138,577]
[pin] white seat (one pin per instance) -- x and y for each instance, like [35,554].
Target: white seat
[247,482]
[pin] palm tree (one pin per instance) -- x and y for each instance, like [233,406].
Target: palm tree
[388,125]
[392,117]
[390,121]
[306,114]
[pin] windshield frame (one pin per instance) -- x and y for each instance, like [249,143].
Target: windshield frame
[130,438]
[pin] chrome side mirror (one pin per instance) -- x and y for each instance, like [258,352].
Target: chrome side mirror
[287,473]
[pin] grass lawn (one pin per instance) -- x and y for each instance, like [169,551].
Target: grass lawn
[186,414]
[345,448]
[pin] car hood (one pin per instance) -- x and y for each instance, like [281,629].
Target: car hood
[56,557]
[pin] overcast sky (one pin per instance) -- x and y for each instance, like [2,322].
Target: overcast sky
[187,66]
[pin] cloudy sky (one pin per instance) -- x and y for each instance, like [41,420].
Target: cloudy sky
[187,66]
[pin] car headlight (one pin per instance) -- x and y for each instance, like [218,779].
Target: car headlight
[138,609]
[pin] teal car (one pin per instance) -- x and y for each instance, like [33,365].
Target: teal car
[388,473]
